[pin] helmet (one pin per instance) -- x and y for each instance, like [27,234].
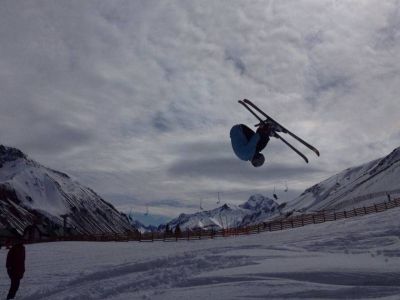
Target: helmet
[258,160]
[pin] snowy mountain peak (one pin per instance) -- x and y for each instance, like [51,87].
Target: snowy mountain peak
[10,154]
[257,208]
[257,202]
[225,206]
[386,162]
[31,194]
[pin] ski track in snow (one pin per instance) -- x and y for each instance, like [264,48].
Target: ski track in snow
[158,273]
[357,258]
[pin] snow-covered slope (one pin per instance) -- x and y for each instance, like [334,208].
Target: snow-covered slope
[356,258]
[256,208]
[353,187]
[33,194]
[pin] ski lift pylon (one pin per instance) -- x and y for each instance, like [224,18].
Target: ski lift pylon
[219,199]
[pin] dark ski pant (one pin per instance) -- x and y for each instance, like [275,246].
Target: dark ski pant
[262,143]
[14,287]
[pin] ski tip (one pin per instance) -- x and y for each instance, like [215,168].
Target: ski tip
[317,152]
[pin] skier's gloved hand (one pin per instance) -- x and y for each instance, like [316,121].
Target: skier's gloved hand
[264,130]
[274,134]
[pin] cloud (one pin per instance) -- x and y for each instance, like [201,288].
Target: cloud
[231,169]
[236,61]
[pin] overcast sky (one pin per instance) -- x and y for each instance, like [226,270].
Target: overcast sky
[136,98]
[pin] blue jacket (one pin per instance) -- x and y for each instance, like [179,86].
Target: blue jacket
[243,148]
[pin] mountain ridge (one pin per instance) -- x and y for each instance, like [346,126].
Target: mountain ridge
[257,207]
[32,194]
[337,192]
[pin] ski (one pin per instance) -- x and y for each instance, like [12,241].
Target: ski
[275,134]
[291,147]
[251,111]
[284,130]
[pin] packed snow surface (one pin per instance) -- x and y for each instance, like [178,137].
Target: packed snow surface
[354,258]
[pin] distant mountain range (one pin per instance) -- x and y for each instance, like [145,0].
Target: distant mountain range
[256,208]
[357,186]
[140,226]
[31,194]
[34,195]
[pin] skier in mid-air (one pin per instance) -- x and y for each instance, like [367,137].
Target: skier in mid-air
[248,144]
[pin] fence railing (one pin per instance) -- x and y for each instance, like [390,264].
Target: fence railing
[273,225]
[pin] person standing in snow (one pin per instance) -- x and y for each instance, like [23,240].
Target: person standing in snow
[248,144]
[15,266]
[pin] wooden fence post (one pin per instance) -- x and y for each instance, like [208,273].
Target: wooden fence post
[376,209]
[345,214]
[313,219]
[365,211]
[355,212]
[334,215]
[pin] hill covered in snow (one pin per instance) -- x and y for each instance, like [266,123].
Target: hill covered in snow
[31,194]
[354,187]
